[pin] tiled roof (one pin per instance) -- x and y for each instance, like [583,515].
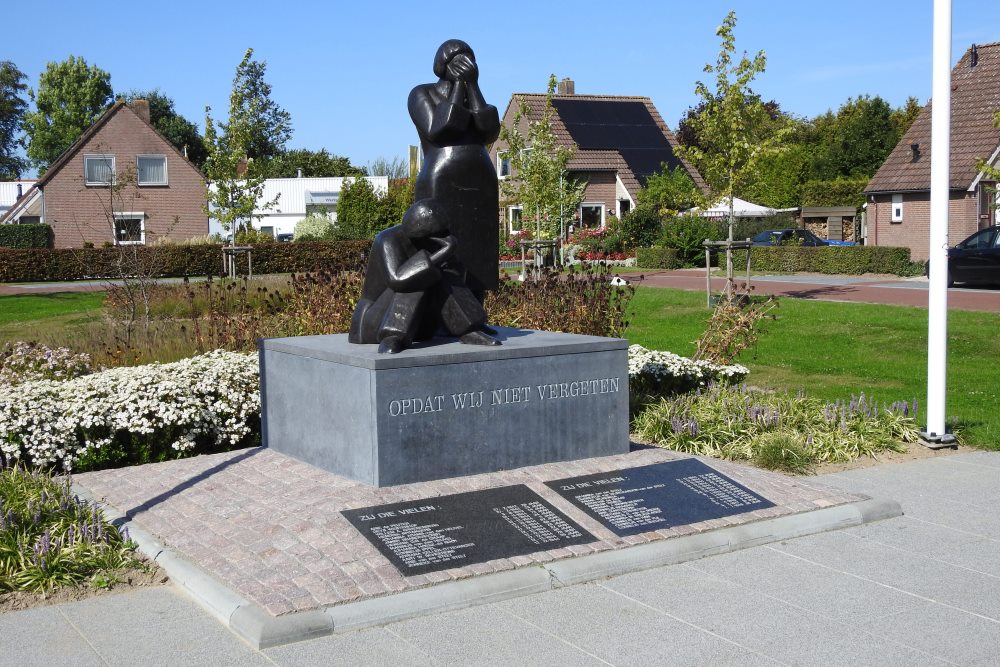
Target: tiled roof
[605,158]
[975,95]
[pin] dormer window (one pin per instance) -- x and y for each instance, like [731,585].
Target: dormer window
[98,169]
[151,169]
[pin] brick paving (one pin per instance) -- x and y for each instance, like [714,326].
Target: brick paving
[270,527]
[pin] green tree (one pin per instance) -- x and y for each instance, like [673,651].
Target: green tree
[12,107]
[735,129]
[669,191]
[256,122]
[858,140]
[237,175]
[904,116]
[312,163]
[314,227]
[71,96]
[175,128]
[359,211]
[395,168]
[539,180]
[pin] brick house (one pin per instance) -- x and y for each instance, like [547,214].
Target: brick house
[620,141]
[162,193]
[898,196]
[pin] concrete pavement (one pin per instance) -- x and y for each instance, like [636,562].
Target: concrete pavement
[923,588]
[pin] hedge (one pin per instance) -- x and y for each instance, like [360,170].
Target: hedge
[657,257]
[41,264]
[850,260]
[25,236]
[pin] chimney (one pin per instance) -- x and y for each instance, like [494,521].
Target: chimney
[141,109]
[566,87]
[974,56]
[915,147]
[20,193]
[298,173]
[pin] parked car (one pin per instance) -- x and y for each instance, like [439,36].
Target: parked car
[788,236]
[976,259]
[284,238]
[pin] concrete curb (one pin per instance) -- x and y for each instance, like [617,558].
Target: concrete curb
[261,630]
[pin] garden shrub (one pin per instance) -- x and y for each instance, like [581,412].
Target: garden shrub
[740,423]
[657,257]
[133,415]
[50,538]
[29,265]
[686,234]
[579,301]
[850,260]
[654,374]
[313,228]
[23,362]
[639,228]
[25,236]
[835,192]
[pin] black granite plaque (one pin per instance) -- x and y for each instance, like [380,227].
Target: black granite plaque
[432,534]
[637,500]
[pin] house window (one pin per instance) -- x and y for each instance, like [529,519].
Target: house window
[503,165]
[98,169]
[130,228]
[268,230]
[897,208]
[514,218]
[592,216]
[151,169]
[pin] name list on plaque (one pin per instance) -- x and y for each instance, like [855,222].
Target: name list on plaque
[464,528]
[675,493]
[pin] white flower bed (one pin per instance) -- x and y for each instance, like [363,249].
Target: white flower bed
[653,371]
[213,395]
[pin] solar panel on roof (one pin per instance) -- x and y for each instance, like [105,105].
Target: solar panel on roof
[627,127]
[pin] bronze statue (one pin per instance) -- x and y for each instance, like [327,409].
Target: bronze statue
[455,125]
[428,275]
[415,286]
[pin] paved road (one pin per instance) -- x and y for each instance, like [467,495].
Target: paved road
[861,289]
[920,589]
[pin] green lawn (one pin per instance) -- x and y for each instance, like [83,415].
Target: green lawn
[833,350]
[23,308]
[53,319]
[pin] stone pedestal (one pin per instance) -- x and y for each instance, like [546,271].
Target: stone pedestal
[444,409]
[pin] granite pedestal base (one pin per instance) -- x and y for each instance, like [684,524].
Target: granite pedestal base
[443,409]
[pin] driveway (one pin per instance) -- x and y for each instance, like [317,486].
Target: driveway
[860,289]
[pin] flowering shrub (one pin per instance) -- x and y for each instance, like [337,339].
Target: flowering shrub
[653,374]
[22,362]
[133,415]
[775,429]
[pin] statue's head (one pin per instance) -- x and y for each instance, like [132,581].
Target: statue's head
[446,52]
[425,218]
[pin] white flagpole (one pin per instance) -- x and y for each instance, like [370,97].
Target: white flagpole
[937,292]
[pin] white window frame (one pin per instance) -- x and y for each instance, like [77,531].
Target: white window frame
[98,156]
[897,208]
[501,159]
[510,217]
[590,204]
[166,175]
[131,215]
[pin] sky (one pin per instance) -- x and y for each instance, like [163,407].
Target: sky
[343,70]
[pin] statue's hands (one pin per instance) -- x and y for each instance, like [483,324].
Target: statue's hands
[445,252]
[463,68]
